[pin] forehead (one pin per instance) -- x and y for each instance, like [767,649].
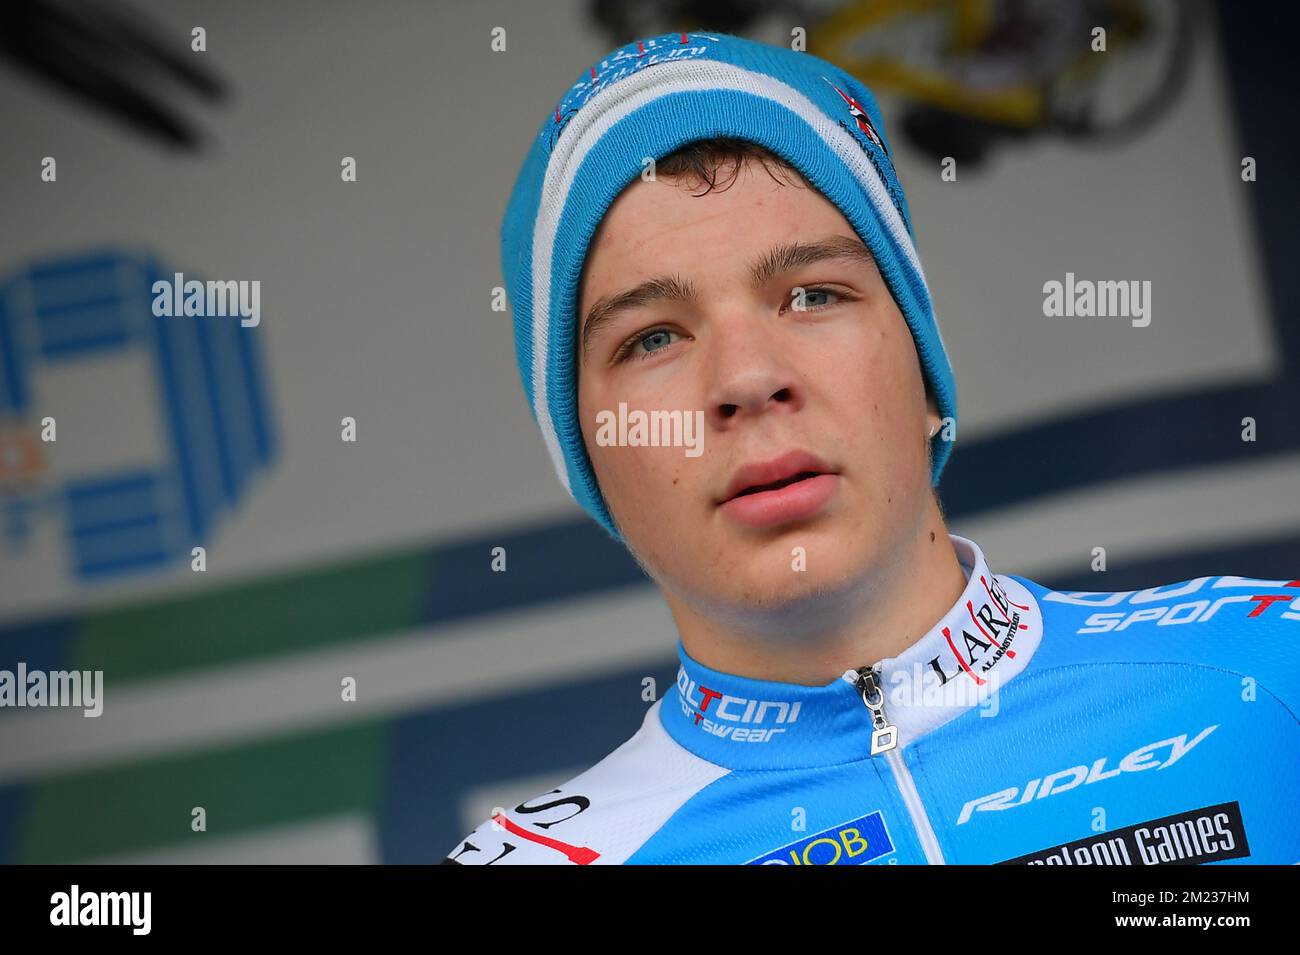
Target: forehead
[666,224]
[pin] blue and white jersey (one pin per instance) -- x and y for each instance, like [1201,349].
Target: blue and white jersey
[1027,726]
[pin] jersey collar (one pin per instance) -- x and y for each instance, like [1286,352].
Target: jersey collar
[985,639]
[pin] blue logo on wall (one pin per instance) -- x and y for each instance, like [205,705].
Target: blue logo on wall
[855,842]
[210,396]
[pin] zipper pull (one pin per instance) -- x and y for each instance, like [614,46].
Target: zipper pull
[884,735]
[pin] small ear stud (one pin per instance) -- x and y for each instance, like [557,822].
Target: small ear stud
[932,431]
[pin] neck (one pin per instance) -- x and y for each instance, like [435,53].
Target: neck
[812,640]
[987,637]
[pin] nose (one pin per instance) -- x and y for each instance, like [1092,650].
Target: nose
[750,374]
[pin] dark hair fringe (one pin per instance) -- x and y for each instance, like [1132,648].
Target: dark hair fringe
[701,160]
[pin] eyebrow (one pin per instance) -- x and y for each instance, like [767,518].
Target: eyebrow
[782,257]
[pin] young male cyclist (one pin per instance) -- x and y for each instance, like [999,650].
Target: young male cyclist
[711,229]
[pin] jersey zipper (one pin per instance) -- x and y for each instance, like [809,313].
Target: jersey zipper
[884,739]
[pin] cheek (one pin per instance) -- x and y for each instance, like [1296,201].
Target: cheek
[873,385]
[638,477]
[633,477]
[647,488]
[870,376]
[650,492]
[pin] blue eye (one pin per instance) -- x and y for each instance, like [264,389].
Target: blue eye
[810,302]
[647,343]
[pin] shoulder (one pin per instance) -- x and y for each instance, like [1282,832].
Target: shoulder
[601,816]
[1242,625]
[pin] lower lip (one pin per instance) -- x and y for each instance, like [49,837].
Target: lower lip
[793,502]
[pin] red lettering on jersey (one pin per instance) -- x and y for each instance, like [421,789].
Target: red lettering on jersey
[579,855]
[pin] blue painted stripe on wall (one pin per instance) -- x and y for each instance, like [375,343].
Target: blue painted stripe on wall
[1273,558]
[56,281]
[252,361]
[56,350]
[566,559]
[41,644]
[12,800]
[211,385]
[1144,437]
[182,459]
[13,380]
[100,570]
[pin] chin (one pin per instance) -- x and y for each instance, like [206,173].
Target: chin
[791,589]
[779,601]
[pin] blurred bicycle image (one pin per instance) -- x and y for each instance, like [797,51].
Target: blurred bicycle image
[973,72]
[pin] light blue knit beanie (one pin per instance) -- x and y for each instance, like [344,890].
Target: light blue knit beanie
[647,99]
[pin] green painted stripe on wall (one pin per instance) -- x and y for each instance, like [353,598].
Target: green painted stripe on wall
[144,805]
[303,610]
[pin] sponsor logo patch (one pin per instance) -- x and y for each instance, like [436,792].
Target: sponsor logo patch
[1200,835]
[855,842]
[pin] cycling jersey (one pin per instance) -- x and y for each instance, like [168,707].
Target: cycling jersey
[1027,726]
